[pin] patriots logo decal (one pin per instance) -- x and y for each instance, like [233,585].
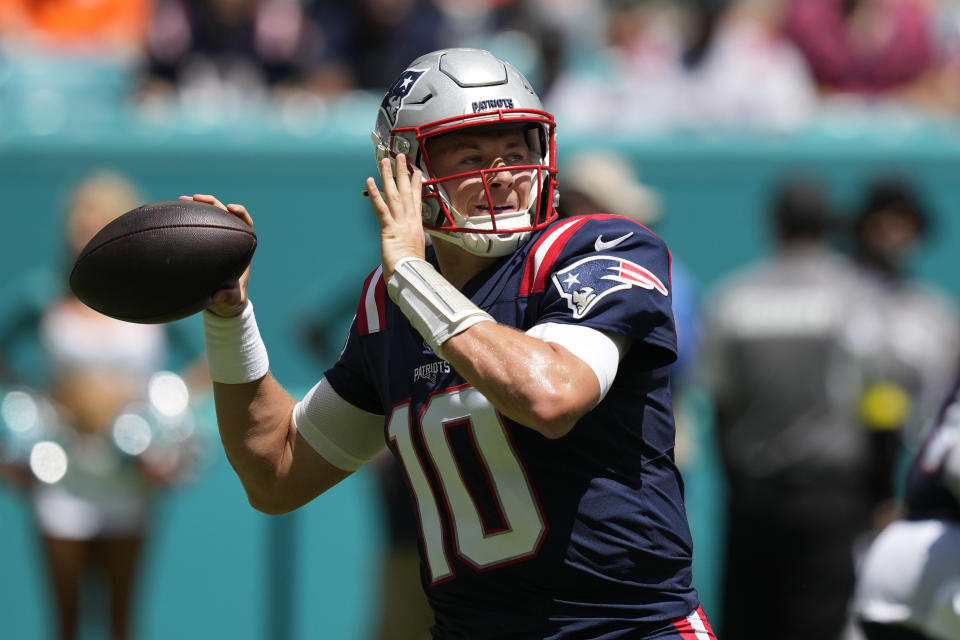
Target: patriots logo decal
[398,91]
[586,281]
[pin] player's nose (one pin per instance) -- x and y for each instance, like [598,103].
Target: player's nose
[498,174]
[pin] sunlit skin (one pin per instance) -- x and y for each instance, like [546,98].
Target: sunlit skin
[454,154]
[461,152]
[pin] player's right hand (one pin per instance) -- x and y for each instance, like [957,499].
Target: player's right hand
[398,210]
[228,302]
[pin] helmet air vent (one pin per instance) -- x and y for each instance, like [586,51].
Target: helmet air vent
[470,68]
[423,100]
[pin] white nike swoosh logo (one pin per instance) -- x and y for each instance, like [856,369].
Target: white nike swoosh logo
[600,245]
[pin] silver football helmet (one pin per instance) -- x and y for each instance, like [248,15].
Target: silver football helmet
[453,89]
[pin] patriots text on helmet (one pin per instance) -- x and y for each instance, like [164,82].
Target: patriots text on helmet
[487,105]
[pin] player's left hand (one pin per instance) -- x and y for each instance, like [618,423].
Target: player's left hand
[398,211]
[228,302]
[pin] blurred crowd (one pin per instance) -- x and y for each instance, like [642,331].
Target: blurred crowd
[648,65]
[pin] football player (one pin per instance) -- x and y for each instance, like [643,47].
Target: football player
[516,368]
[909,583]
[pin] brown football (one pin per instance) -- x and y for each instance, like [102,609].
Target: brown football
[162,261]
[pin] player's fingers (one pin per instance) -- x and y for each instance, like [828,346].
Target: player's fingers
[416,188]
[229,296]
[376,199]
[228,302]
[386,173]
[406,203]
[390,193]
[243,281]
[241,212]
[403,184]
[402,170]
[208,199]
[406,189]
[403,175]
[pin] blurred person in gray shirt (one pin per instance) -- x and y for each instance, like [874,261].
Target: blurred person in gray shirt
[783,363]
[914,334]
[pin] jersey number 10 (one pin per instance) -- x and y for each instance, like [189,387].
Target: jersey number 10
[508,480]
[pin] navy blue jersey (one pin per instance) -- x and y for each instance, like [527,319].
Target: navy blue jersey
[927,495]
[584,536]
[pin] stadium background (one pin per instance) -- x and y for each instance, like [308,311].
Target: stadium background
[218,569]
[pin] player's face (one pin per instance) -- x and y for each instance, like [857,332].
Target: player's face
[471,151]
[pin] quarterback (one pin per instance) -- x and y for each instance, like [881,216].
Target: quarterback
[516,366]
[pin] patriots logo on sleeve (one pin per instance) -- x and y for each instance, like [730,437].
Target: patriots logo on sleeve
[397,92]
[588,280]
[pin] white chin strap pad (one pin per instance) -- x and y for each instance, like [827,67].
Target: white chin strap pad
[435,308]
[487,245]
[490,245]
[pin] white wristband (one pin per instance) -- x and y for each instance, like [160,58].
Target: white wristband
[235,351]
[435,308]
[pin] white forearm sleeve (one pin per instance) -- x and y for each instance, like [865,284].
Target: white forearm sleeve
[343,434]
[435,308]
[235,351]
[601,351]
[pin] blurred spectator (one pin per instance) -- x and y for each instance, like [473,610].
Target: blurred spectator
[603,181]
[911,338]
[367,42]
[706,65]
[71,27]
[901,49]
[97,433]
[364,41]
[914,336]
[938,91]
[229,53]
[782,366]
[862,45]
[534,34]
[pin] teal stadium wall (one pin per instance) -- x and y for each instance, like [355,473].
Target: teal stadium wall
[208,573]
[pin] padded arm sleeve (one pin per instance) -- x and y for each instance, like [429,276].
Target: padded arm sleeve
[344,435]
[602,351]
